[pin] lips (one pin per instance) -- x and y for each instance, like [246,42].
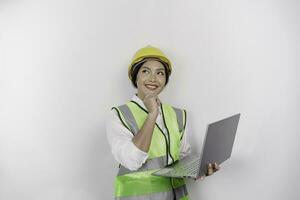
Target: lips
[151,86]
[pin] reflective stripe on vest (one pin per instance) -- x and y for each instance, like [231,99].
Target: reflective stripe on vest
[180,193]
[153,163]
[140,184]
[181,119]
[144,183]
[129,119]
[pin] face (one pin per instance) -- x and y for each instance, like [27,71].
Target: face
[151,78]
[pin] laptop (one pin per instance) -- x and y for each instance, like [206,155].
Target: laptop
[217,147]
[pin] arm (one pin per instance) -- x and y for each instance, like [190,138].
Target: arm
[142,140]
[126,148]
[121,145]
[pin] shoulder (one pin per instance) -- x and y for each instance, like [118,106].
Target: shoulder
[175,108]
[120,106]
[116,115]
[120,110]
[178,113]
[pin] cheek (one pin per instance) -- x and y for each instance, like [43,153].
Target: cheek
[140,80]
[162,81]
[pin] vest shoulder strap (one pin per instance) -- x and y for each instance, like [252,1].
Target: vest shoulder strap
[126,117]
[181,118]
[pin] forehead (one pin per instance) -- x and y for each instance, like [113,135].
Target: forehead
[153,64]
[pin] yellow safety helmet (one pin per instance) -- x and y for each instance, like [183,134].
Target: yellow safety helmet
[149,52]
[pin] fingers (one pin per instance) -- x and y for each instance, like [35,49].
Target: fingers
[212,168]
[149,96]
[152,103]
[216,167]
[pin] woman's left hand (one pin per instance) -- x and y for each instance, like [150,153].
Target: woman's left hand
[212,168]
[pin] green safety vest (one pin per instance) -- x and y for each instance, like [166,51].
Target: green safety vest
[164,149]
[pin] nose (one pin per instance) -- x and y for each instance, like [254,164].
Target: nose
[153,77]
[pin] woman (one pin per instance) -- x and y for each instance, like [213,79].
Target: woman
[145,134]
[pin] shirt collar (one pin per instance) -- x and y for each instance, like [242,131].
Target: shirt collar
[138,101]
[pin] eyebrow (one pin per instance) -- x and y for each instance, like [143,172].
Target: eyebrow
[162,68]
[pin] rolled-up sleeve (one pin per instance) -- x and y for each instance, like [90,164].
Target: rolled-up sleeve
[120,140]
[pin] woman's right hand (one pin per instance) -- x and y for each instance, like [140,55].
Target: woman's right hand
[212,168]
[152,103]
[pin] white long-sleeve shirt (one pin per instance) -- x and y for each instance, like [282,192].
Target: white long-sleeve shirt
[120,140]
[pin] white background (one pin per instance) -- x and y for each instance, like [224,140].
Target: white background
[63,65]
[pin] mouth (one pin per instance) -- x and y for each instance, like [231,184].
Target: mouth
[151,86]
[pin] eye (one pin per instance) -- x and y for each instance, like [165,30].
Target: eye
[145,71]
[161,73]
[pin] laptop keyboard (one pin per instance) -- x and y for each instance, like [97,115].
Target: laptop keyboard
[190,168]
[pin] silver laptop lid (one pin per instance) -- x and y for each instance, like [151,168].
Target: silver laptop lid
[218,142]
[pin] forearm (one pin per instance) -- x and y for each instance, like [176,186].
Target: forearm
[143,138]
